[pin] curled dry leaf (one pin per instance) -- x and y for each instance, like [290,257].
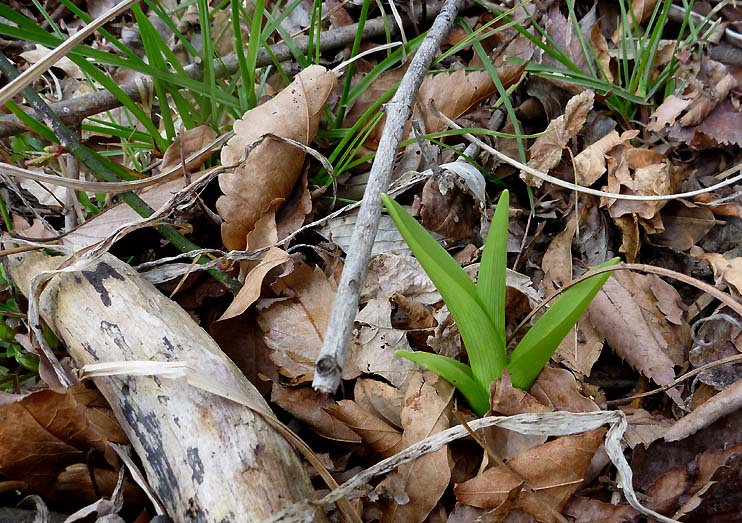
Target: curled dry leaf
[250,290]
[553,470]
[308,406]
[590,164]
[272,168]
[726,270]
[546,151]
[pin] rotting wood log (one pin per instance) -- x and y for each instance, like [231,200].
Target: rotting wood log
[208,459]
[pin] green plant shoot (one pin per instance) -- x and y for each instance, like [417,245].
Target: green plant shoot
[479,310]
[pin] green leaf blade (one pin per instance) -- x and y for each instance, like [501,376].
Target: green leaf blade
[483,345]
[456,373]
[491,287]
[540,342]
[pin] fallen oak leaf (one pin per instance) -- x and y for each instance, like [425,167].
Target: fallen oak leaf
[271,168]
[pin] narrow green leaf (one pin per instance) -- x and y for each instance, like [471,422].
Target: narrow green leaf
[456,373]
[537,346]
[491,282]
[486,355]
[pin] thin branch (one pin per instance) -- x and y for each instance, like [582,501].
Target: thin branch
[328,367]
[77,109]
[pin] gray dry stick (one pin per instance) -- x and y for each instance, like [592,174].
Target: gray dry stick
[339,328]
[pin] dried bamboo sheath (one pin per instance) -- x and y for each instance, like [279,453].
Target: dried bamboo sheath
[208,459]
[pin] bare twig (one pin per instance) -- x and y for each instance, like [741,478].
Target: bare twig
[330,360]
[737,358]
[77,109]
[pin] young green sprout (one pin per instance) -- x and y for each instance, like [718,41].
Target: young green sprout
[479,311]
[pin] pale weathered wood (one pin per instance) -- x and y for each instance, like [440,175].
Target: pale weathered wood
[208,459]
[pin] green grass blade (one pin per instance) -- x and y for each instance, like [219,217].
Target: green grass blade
[491,282]
[456,373]
[458,291]
[537,346]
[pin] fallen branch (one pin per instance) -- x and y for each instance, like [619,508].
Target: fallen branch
[330,360]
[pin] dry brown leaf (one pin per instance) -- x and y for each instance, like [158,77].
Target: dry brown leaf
[292,214]
[667,112]
[627,313]
[580,351]
[374,344]
[718,498]
[272,168]
[294,326]
[586,510]
[384,439]
[602,54]
[630,239]
[554,470]
[187,143]
[558,390]
[557,261]
[390,274]
[680,489]
[685,224]
[644,172]
[508,401]
[581,347]
[45,432]
[546,151]
[250,291]
[590,164]
[383,400]
[35,229]
[424,412]
[39,52]
[454,94]
[726,270]
[644,428]
[446,209]
[308,406]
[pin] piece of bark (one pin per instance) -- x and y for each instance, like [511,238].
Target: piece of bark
[208,459]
